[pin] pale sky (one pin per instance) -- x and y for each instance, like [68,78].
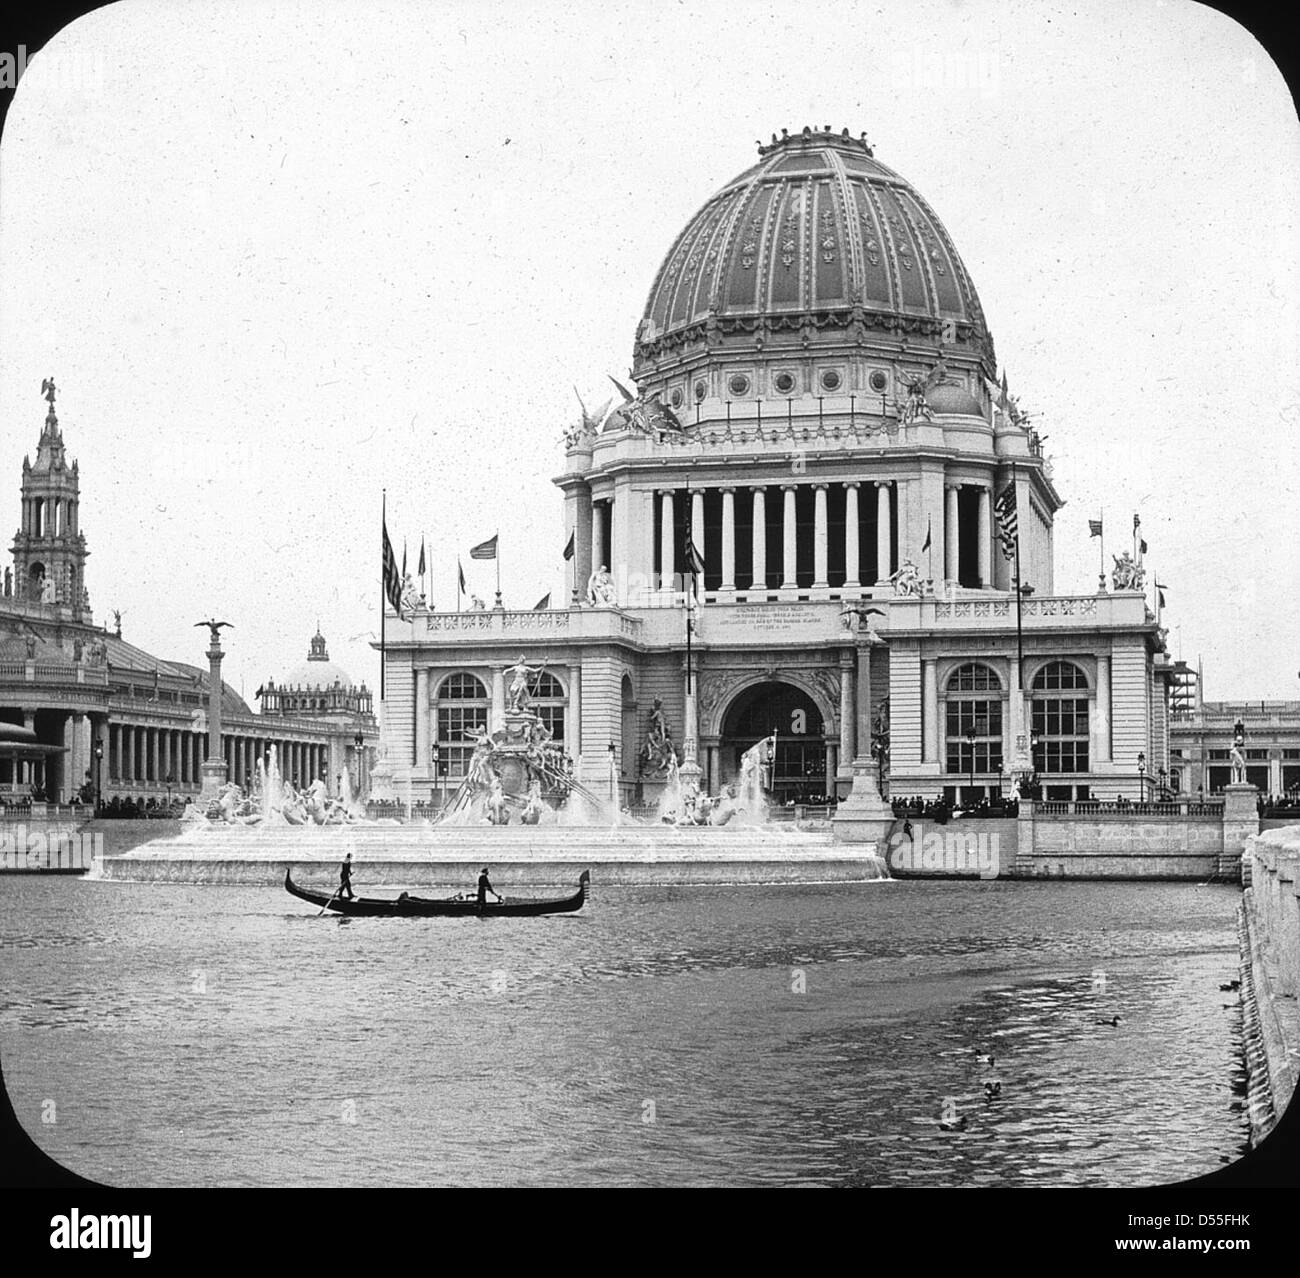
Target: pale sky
[278,256]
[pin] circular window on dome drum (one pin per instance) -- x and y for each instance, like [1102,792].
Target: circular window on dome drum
[675,399]
[784,382]
[830,380]
[739,384]
[700,391]
[879,381]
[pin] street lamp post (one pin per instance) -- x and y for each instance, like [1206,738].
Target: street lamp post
[171,781]
[99,764]
[434,753]
[1142,775]
[360,742]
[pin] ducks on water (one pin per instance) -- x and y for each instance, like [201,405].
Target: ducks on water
[1114,1020]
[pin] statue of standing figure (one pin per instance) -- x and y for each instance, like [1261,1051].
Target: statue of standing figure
[517,695]
[1238,761]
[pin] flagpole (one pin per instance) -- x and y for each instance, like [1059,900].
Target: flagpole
[1101,564]
[497,557]
[1020,594]
[383,520]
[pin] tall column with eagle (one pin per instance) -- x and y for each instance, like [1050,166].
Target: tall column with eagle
[214,766]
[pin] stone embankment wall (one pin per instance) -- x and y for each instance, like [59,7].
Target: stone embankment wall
[1269,931]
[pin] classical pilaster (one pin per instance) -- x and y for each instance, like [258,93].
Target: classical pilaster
[952,543]
[729,539]
[884,532]
[821,538]
[848,712]
[498,698]
[573,720]
[1101,713]
[759,539]
[986,538]
[929,711]
[851,535]
[421,760]
[789,530]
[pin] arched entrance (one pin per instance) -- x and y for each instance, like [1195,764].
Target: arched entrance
[799,771]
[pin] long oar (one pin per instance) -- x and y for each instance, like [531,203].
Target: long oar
[330,902]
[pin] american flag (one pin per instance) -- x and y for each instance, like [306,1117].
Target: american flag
[392,580]
[1008,520]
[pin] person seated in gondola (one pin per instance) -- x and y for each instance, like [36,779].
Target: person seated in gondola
[345,878]
[484,887]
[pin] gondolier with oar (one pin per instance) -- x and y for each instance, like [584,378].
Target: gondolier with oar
[345,878]
[484,887]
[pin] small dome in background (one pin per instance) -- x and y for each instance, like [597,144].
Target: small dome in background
[318,671]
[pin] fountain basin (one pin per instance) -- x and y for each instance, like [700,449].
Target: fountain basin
[423,856]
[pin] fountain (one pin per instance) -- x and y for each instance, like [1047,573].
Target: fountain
[521,806]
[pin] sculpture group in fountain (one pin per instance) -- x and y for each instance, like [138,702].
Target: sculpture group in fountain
[658,752]
[273,801]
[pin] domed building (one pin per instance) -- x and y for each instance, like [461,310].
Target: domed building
[810,519]
[85,713]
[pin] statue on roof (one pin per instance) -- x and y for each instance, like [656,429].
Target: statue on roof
[47,389]
[1128,574]
[916,405]
[600,588]
[907,580]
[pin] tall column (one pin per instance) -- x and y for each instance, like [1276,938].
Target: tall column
[851,535]
[884,532]
[848,712]
[863,817]
[598,559]
[789,578]
[759,539]
[128,752]
[986,538]
[214,768]
[667,541]
[952,543]
[697,526]
[930,710]
[821,538]
[729,539]
[1101,718]
[422,712]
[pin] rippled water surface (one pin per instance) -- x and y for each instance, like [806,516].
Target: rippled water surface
[705,1035]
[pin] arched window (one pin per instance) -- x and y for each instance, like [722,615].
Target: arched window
[973,721]
[1059,718]
[548,704]
[462,706]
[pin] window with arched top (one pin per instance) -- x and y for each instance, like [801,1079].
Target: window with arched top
[973,721]
[462,708]
[1059,718]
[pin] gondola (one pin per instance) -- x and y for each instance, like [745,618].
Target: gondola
[463,905]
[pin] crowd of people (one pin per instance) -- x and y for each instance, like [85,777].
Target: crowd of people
[941,810]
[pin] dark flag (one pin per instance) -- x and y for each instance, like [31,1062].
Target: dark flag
[1137,523]
[1160,592]
[926,544]
[485,549]
[1142,546]
[543,603]
[420,569]
[460,569]
[1008,520]
[392,580]
[694,560]
[1094,528]
[403,560]
[568,547]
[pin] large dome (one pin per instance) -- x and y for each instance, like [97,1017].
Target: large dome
[318,671]
[816,244]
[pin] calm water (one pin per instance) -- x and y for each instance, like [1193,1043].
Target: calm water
[226,1036]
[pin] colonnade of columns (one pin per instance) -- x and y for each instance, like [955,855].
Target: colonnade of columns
[137,753]
[778,503]
[790,534]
